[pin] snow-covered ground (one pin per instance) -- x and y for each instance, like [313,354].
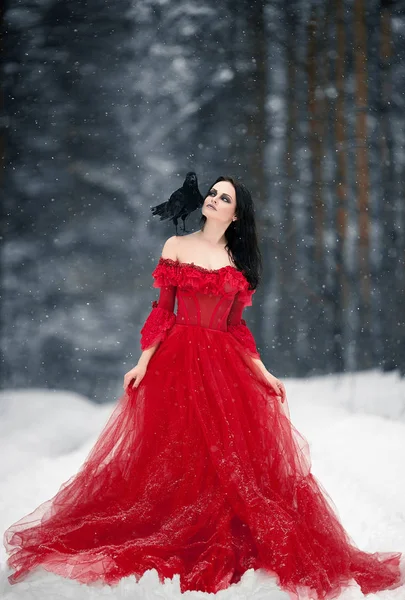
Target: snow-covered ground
[355,426]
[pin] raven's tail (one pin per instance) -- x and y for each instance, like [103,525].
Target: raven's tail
[161,210]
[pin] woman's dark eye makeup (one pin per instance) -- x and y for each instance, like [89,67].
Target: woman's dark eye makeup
[213,192]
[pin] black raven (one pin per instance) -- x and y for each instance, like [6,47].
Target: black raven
[182,202]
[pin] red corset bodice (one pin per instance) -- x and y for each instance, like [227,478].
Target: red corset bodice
[212,298]
[206,310]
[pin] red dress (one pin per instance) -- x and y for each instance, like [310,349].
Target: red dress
[198,471]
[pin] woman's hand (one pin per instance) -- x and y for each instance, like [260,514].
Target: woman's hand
[136,374]
[276,384]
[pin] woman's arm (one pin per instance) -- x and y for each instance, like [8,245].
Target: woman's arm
[159,321]
[259,363]
[165,304]
[238,328]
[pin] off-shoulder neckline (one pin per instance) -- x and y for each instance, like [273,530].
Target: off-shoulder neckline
[198,267]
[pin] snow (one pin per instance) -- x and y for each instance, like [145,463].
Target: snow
[355,426]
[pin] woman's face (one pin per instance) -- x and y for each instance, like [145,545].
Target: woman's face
[223,197]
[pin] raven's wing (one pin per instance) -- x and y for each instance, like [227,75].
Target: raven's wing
[176,203]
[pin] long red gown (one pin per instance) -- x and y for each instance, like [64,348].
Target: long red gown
[198,471]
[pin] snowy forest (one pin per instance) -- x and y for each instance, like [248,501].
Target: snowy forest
[107,105]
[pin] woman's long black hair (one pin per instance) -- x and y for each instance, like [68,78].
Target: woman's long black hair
[241,236]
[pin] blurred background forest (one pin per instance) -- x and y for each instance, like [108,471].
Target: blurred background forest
[107,105]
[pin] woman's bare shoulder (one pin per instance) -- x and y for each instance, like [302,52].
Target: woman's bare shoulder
[170,246]
[174,245]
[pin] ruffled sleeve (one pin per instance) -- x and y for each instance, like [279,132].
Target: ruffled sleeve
[161,318]
[237,326]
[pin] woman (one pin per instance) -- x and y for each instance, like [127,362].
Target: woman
[199,470]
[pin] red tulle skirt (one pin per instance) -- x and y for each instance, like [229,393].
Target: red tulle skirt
[198,472]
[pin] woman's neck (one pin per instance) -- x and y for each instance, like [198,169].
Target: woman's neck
[213,235]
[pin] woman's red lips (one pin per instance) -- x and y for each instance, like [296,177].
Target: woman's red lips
[212,206]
